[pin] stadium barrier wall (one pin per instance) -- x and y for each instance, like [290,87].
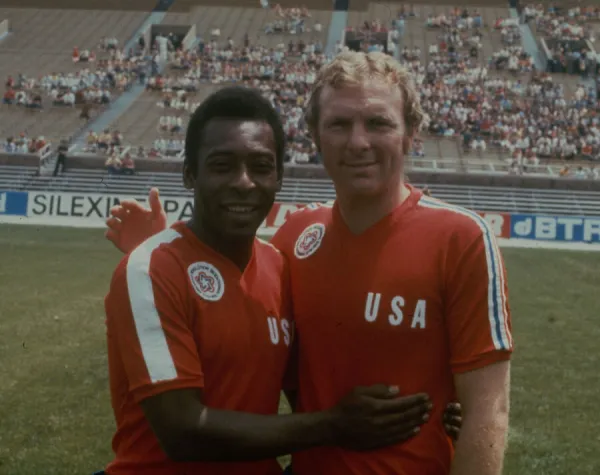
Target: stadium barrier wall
[91,210]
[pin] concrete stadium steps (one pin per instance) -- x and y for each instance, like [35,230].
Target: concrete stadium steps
[139,123]
[235,22]
[41,43]
[374,11]
[51,122]
[555,202]
[183,6]
[359,5]
[444,150]
[417,35]
[15,177]
[123,5]
[454,3]
[42,40]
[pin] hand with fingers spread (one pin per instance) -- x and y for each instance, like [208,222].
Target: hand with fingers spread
[368,418]
[131,223]
[453,420]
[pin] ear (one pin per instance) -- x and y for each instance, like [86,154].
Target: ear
[407,143]
[314,135]
[189,180]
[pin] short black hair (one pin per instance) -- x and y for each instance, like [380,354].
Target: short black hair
[236,103]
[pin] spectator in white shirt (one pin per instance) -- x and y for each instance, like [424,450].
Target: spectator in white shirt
[69,99]
[478,144]
[177,125]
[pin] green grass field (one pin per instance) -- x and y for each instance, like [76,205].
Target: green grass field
[55,415]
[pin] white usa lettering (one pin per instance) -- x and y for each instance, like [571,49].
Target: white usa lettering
[274,333]
[397,304]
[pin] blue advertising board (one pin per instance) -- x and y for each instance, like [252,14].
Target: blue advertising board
[13,203]
[555,228]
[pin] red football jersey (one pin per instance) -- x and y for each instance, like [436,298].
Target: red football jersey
[180,315]
[416,298]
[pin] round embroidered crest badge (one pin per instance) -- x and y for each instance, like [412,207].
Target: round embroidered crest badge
[309,241]
[207,281]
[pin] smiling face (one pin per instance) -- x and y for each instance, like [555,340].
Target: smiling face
[236,179]
[362,137]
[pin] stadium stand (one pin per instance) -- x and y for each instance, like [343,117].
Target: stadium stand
[100,5]
[497,116]
[41,45]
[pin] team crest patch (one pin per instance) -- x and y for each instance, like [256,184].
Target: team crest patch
[207,281]
[309,241]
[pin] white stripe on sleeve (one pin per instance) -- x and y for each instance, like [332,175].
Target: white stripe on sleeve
[497,302]
[153,341]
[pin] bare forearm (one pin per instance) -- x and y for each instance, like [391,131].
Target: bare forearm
[480,448]
[235,436]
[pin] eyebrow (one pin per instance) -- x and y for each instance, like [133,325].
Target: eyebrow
[252,153]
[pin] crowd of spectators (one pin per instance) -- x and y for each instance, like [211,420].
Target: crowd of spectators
[116,165]
[110,143]
[563,23]
[24,144]
[284,74]
[95,84]
[106,141]
[524,114]
[566,31]
[171,124]
[292,21]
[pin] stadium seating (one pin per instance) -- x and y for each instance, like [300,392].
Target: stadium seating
[38,46]
[138,123]
[41,42]
[237,21]
[188,5]
[128,5]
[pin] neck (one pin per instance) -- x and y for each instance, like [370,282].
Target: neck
[360,213]
[237,249]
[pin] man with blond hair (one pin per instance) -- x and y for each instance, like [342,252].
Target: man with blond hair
[392,286]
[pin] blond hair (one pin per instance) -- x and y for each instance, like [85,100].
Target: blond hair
[351,68]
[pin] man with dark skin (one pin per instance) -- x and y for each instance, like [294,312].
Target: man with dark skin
[198,323]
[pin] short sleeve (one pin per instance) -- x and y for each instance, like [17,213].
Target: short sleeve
[147,321]
[476,297]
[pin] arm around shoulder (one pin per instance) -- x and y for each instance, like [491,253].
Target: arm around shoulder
[148,320]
